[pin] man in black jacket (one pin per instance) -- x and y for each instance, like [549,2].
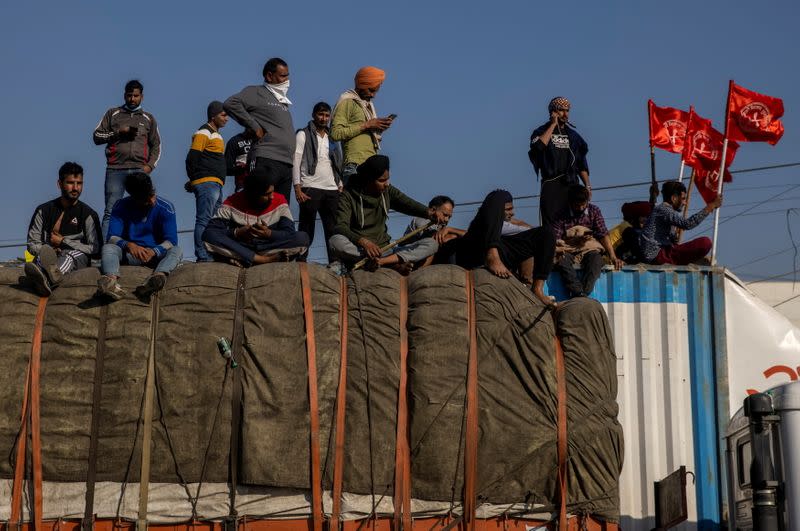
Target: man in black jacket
[63,234]
[558,154]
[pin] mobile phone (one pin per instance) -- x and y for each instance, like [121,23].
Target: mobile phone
[132,131]
[392,116]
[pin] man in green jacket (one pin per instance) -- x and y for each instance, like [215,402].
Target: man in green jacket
[355,123]
[364,206]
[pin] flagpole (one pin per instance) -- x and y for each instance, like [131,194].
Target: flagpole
[721,175]
[653,186]
[688,200]
[680,173]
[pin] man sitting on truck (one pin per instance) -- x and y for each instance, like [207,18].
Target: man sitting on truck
[255,226]
[659,239]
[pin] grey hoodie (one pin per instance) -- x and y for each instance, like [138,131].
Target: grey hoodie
[256,107]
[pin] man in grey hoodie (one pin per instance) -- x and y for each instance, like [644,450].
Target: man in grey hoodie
[265,110]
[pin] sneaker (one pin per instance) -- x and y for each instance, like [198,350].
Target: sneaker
[109,287]
[34,274]
[48,260]
[154,283]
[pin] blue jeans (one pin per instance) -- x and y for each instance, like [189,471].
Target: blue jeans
[208,198]
[113,256]
[115,189]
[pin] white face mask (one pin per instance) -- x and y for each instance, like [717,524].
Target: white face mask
[281,87]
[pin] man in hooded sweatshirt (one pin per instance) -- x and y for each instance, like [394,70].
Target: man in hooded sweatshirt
[361,217]
[355,122]
[264,109]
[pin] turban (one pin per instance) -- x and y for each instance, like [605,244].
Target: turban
[372,168]
[637,209]
[558,104]
[369,77]
[214,108]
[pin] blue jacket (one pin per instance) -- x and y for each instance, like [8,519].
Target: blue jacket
[155,228]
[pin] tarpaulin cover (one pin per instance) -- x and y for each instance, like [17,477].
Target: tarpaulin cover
[194,398]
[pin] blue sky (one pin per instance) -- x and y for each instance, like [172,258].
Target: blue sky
[468,81]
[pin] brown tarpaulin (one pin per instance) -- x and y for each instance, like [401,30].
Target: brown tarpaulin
[192,413]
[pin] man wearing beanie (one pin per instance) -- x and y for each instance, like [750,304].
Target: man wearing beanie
[264,109]
[558,154]
[355,123]
[361,217]
[205,167]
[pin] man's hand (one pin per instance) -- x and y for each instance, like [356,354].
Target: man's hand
[716,203]
[124,131]
[260,231]
[377,124]
[243,233]
[259,133]
[616,262]
[441,235]
[147,168]
[553,118]
[301,196]
[143,254]
[372,250]
[56,239]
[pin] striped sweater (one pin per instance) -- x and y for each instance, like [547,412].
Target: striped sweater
[206,159]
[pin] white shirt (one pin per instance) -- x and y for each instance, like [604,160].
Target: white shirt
[323,177]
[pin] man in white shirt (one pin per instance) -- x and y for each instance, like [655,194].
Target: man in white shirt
[316,175]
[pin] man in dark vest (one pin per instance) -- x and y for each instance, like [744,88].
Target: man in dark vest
[316,174]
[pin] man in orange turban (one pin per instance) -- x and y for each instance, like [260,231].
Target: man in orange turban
[356,124]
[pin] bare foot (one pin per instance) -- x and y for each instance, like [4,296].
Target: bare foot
[538,291]
[496,265]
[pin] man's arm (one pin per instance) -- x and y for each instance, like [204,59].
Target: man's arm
[199,141]
[91,244]
[169,227]
[605,241]
[405,205]
[344,125]
[545,136]
[219,233]
[344,212]
[154,144]
[677,220]
[300,145]
[230,157]
[116,227]
[237,106]
[36,235]
[103,134]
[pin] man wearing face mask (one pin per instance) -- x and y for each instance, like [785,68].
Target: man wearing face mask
[583,236]
[264,109]
[132,144]
[356,124]
[558,154]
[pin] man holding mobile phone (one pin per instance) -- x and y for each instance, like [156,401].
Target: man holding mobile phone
[355,122]
[132,141]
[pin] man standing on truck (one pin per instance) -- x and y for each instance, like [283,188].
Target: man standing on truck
[558,154]
[356,124]
[133,144]
[659,239]
[264,109]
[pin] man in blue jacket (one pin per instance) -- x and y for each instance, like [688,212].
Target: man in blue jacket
[558,154]
[143,231]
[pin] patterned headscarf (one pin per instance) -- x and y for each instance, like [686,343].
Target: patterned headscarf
[558,104]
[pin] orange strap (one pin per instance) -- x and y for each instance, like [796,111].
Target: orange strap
[561,389]
[341,397]
[313,399]
[402,466]
[30,398]
[471,442]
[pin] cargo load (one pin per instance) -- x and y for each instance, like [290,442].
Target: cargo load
[454,395]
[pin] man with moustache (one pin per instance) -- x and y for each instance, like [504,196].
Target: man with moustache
[63,234]
[264,109]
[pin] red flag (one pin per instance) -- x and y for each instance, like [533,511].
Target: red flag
[703,146]
[753,117]
[667,127]
[707,182]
